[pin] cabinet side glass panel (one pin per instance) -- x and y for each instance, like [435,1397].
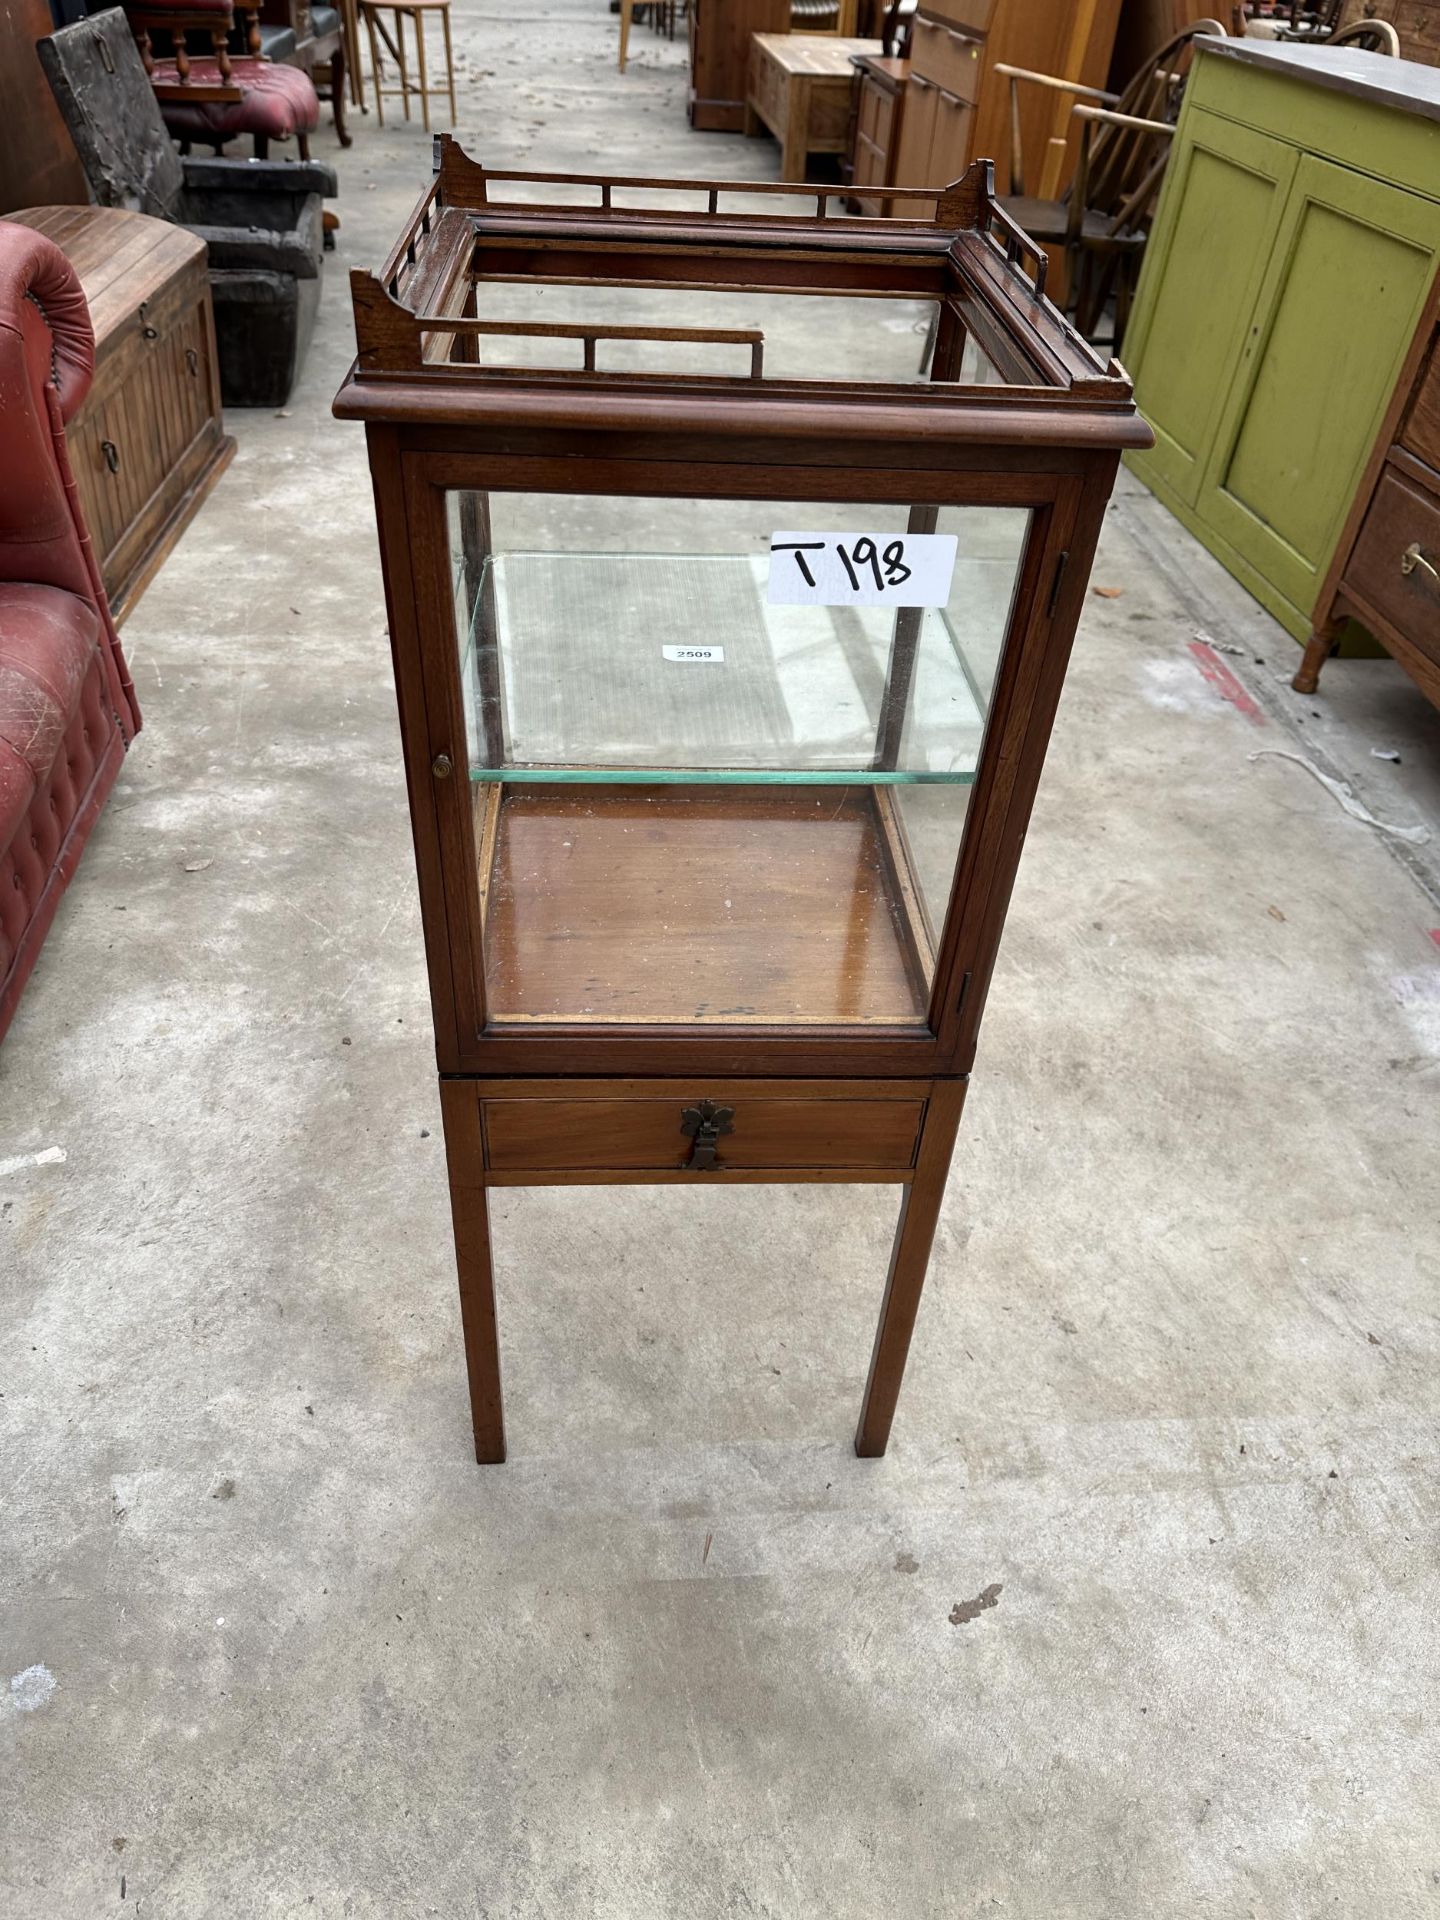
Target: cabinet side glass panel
[721,752]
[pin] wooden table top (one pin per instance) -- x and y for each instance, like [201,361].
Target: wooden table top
[825,55]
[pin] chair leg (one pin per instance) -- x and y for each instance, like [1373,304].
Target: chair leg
[302,141]
[262,146]
[400,55]
[627,14]
[420,67]
[377,78]
[449,62]
[337,92]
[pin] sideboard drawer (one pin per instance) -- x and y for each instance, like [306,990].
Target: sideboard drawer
[976,14]
[948,57]
[714,1129]
[1396,562]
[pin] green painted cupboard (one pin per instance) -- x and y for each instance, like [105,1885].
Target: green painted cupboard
[1296,242]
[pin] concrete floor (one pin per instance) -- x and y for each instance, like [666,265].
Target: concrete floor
[280,1648]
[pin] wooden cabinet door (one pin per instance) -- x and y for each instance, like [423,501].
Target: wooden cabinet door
[1223,204]
[1337,310]
[950,144]
[917,132]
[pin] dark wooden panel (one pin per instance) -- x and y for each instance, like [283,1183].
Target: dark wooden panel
[720,57]
[605,1134]
[1421,433]
[38,161]
[1417,22]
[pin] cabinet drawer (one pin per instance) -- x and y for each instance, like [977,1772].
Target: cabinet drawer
[766,1131]
[1396,562]
[976,14]
[1421,433]
[950,58]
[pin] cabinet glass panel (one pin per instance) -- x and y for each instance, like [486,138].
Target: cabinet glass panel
[720,766]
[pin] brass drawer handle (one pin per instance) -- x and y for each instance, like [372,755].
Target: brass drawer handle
[442,766]
[704,1124]
[1413,557]
[112,455]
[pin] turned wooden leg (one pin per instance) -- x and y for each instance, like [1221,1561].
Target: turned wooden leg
[1324,639]
[909,1258]
[469,1207]
[337,93]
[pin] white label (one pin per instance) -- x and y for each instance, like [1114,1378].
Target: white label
[861,569]
[692,654]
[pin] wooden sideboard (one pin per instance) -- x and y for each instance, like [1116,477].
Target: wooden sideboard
[1295,248]
[1386,569]
[148,443]
[957,106]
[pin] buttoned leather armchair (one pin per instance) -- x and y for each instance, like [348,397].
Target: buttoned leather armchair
[67,707]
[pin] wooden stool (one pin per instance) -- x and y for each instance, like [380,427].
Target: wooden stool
[372,11]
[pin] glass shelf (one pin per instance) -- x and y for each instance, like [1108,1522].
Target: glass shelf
[589,690]
[692,806]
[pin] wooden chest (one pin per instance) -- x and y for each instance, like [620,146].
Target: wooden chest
[149,442]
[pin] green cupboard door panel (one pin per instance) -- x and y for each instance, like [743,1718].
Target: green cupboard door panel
[1203,271]
[1338,310]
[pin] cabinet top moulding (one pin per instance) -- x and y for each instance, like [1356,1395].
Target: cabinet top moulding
[418,320]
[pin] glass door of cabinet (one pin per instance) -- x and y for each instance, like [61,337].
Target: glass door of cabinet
[720,752]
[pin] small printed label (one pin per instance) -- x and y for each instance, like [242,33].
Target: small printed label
[861,569]
[692,655]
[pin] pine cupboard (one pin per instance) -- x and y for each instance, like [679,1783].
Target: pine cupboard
[1295,246]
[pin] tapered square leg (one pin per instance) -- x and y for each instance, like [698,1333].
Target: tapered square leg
[909,1260]
[470,1210]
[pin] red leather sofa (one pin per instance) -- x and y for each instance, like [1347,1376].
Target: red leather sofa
[67,707]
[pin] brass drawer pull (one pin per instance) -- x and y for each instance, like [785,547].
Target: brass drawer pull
[1413,557]
[704,1124]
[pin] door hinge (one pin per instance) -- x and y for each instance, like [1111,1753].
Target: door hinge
[1060,566]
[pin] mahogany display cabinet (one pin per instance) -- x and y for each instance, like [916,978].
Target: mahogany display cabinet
[727,656]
